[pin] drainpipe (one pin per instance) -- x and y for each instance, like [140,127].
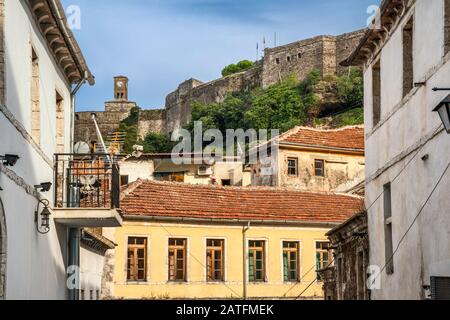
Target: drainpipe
[74,233]
[72,110]
[244,256]
[74,260]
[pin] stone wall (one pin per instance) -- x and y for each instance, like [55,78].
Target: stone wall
[151,121]
[108,122]
[300,58]
[346,280]
[179,102]
[345,45]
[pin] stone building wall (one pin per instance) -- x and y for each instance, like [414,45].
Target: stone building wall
[345,45]
[300,58]
[297,58]
[347,279]
[108,122]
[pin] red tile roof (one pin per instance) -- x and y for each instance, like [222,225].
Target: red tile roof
[163,199]
[344,138]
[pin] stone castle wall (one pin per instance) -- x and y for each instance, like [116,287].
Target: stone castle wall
[179,102]
[299,58]
[151,121]
[323,53]
[108,121]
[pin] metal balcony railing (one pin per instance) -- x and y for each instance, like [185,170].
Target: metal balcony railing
[90,181]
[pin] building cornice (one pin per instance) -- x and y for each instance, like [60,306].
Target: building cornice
[51,19]
[384,25]
[230,222]
[96,242]
[298,146]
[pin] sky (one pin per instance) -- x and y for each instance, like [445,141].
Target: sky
[158,44]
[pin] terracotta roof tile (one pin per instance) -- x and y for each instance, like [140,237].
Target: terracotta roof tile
[162,199]
[346,138]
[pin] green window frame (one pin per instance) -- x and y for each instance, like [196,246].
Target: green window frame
[291,261]
[256,261]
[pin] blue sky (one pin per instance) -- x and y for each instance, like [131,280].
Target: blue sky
[160,43]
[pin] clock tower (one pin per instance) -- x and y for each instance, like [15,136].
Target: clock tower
[121,88]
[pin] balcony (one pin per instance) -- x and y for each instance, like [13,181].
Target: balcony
[87,191]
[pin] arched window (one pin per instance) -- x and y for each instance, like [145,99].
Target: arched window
[2,251]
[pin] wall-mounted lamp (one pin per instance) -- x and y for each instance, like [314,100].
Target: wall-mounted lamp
[443,108]
[42,219]
[9,159]
[44,187]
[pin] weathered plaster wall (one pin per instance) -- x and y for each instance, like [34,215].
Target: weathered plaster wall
[339,169]
[91,273]
[2,52]
[222,170]
[351,260]
[25,248]
[409,126]
[137,170]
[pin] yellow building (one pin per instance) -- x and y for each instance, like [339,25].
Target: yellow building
[315,160]
[186,241]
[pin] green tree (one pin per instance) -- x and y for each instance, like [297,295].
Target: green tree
[236,68]
[278,107]
[350,88]
[157,143]
[129,127]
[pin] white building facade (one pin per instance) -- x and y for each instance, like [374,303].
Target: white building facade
[39,63]
[405,54]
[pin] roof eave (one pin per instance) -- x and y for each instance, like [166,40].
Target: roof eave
[390,12]
[244,222]
[60,40]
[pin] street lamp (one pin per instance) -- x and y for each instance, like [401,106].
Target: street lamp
[9,159]
[443,109]
[44,187]
[43,227]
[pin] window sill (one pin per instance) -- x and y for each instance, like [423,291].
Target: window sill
[137,283]
[177,282]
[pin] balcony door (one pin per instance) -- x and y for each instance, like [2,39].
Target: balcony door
[2,251]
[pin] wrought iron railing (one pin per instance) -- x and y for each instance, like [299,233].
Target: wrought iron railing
[86,181]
